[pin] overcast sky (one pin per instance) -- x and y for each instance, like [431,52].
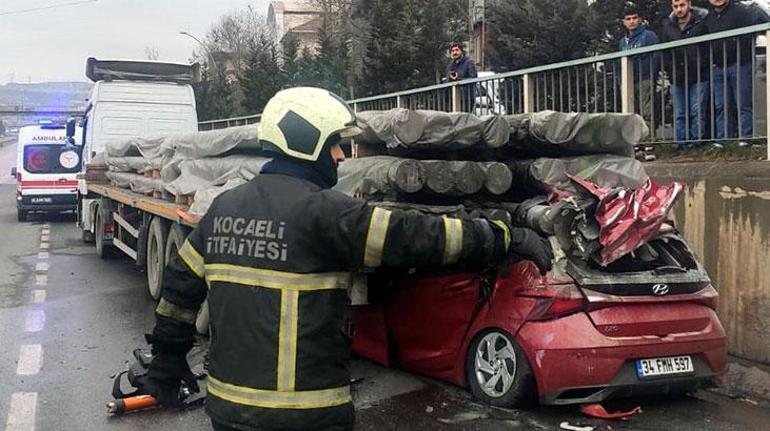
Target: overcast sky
[53,44]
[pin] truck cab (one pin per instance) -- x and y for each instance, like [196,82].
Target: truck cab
[132,98]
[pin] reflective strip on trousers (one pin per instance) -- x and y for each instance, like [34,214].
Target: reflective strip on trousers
[375,237]
[279,399]
[173,311]
[287,340]
[192,258]
[277,279]
[453,234]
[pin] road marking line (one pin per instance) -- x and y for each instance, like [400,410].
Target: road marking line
[44,245]
[30,359]
[35,321]
[43,255]
[38,296]
[41,279]
[41,267]
[45,231]
[45,238]
[21,414]
[46,226]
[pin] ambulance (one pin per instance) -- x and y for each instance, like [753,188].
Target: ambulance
[46,170]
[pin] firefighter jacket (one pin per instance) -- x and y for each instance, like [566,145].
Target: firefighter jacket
[275,257]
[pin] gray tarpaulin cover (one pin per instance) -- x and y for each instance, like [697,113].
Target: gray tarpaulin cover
[549,133]
[198,145]
[185,177]
[195,145]
[547,175]
[136,182]
[430,130]
[131,164]
[204,197]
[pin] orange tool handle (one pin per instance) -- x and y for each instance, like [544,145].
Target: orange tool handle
[125,405]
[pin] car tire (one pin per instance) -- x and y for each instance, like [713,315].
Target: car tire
[157,235]
[21,215]
[498,372]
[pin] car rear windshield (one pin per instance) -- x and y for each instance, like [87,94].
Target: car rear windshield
[51,159]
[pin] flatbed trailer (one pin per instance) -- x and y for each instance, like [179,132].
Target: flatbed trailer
[147,229]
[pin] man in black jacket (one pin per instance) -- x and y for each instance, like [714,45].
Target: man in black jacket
[462,67]
[275,256]
[733,74]
[688,71]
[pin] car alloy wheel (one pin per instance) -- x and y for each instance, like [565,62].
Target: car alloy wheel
[495,364]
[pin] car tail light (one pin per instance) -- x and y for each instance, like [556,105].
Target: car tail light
[108,228]
[554,301]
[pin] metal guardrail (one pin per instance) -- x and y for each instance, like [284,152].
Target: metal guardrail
[656,82]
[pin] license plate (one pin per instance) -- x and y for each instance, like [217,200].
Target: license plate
[42,200]
[666,366]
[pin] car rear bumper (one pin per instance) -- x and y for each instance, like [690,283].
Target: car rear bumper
[53,202]
[591,367]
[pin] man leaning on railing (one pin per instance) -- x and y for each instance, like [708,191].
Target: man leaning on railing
[733,73]
[688,70]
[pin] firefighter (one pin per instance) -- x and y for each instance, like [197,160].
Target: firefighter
[275,256]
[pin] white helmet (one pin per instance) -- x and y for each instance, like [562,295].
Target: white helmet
[298,121]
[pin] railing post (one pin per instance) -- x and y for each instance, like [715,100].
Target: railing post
[455,98]
[398,101]
[627,103]
[529,94]
[767,99]
[353,144]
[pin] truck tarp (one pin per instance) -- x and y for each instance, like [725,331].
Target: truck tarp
[195,145]
[185,177]
[407,130]
[558,134]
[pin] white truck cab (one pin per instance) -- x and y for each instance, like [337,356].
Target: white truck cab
[133,98]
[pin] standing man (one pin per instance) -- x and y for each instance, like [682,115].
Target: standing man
[733,74]
[688,71]
[462,67]
[646,65]
[275,257]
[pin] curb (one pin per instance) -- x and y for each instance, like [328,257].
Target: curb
[747,380]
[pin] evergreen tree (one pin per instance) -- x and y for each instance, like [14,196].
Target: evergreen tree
[218,95]
[533,32]
[263,76]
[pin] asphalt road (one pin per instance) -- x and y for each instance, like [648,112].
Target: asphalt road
[69,321]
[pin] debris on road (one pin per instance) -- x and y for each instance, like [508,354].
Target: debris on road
[568,427]
[598,411]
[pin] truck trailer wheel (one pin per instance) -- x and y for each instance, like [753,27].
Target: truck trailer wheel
[176,237]
[157,238]
[103,250]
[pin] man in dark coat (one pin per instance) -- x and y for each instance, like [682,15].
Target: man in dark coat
[462,67]
[733,74]
[646,65]
[688,71]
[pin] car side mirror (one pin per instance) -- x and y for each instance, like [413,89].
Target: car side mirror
[13,171]
[70,126]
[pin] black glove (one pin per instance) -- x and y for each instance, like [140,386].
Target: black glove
[527,244]
[164,377]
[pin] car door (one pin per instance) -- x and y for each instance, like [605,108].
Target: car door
[428,316]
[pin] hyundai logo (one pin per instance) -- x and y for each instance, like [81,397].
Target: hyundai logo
[660,289]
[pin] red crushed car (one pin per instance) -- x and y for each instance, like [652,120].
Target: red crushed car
[644,324]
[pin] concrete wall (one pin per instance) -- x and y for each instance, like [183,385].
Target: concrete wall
[725,215]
